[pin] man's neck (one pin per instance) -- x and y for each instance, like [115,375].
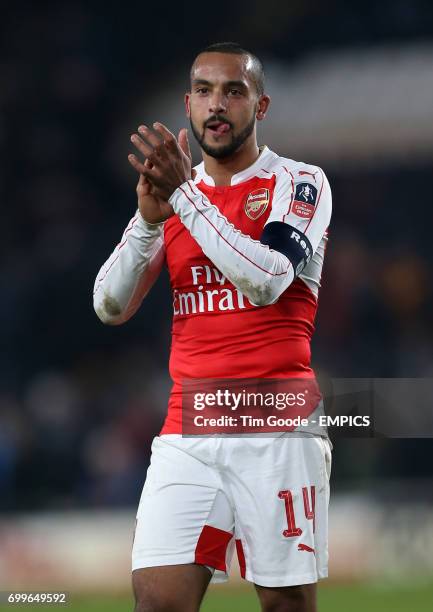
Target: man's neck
[222,170]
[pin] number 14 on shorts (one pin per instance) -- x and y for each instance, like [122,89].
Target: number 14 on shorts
[309,497]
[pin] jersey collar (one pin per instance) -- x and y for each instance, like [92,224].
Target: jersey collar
[261,163]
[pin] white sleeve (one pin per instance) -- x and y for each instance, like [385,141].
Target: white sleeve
[130,271]
[261,273]
[303,200]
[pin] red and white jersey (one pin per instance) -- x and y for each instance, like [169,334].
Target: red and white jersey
[240,310]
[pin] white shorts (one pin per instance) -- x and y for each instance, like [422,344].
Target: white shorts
[265,497]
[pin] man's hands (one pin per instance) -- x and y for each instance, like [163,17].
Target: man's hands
[152,208]
[167,165]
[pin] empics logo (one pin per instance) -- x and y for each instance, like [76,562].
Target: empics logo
[256,203]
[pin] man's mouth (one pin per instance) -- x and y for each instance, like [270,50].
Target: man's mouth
[218,127]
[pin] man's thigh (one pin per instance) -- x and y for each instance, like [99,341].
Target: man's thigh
[301,598]
[172,588]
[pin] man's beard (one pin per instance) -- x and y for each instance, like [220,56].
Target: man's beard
[228,149]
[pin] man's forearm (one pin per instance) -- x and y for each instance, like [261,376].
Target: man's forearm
[129,272]
[259,272]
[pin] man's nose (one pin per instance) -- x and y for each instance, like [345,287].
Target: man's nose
[218,103]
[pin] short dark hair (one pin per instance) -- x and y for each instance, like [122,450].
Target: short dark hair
[258,73]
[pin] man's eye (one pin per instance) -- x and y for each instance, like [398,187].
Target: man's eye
[202,90]
[235,92]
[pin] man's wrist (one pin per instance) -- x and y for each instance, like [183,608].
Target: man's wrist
[146,225]
[179,193]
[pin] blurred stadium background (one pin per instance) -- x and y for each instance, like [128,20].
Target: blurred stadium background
[352,88]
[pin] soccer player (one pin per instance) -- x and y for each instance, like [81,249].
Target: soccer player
[243,235]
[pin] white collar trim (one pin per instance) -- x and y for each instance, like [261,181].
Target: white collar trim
[240,177]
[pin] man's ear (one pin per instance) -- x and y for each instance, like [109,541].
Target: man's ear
[262,107]
[187,106]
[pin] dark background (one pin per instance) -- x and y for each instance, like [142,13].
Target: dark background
[80,402]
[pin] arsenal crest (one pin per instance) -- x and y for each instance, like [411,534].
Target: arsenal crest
[256,203]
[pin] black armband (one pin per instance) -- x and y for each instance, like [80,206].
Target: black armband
[290,242]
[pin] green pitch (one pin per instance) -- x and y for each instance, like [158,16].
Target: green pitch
[224,598]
